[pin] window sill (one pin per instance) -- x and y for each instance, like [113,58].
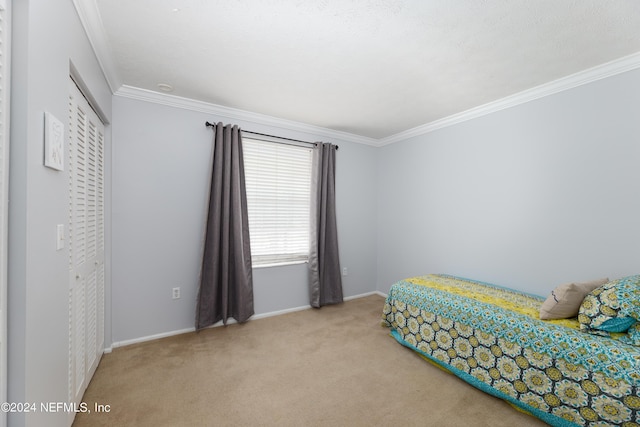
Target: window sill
[279,264]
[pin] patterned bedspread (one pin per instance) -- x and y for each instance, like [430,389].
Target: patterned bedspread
[493,338]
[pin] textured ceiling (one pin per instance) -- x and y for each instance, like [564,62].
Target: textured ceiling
[368,67]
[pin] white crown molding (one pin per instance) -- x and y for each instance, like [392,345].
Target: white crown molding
[237,114]
[91,21]
[89,15]
[608,69]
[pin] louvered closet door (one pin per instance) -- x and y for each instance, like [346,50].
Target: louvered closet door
[86,242]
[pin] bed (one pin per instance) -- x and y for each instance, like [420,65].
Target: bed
[492,337]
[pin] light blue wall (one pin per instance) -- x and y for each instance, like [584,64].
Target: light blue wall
[161,158]
[46,37]
[527,197]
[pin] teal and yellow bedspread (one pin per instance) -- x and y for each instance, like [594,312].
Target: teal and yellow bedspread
[492,337]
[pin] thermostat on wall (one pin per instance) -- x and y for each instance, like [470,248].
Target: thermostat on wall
[53,142]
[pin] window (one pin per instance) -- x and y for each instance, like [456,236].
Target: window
[278,182]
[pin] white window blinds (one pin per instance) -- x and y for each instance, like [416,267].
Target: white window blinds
[278,182]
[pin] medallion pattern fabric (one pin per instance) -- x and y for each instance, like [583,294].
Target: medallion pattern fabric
[492,337]
[614,307]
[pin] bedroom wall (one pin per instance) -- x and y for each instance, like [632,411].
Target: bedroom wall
[46,37]
[160,178]
[528,197]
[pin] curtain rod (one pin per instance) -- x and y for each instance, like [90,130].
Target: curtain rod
[209,124]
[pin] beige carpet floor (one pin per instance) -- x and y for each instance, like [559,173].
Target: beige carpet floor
[335,366]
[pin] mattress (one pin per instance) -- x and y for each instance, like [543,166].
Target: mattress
[492,337]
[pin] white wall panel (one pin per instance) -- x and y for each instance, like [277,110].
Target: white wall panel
[48,44]
[5,66]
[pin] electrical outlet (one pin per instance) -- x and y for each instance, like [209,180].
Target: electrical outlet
[345,271]
[176,293]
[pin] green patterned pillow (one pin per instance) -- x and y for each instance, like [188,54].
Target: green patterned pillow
[613,307]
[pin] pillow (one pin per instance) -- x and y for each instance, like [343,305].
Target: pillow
[613,307]
[564,301]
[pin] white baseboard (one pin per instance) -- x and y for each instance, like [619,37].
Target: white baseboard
[147,338]
[277,313]
[365,295]
[229,322]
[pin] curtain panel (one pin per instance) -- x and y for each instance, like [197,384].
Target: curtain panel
[325,280]
[226,280]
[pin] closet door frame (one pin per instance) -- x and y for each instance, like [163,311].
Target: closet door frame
[5,67]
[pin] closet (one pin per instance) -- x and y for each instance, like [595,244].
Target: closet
[85,162]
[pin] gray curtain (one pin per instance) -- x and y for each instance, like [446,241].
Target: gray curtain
[325,280]
[226,282]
